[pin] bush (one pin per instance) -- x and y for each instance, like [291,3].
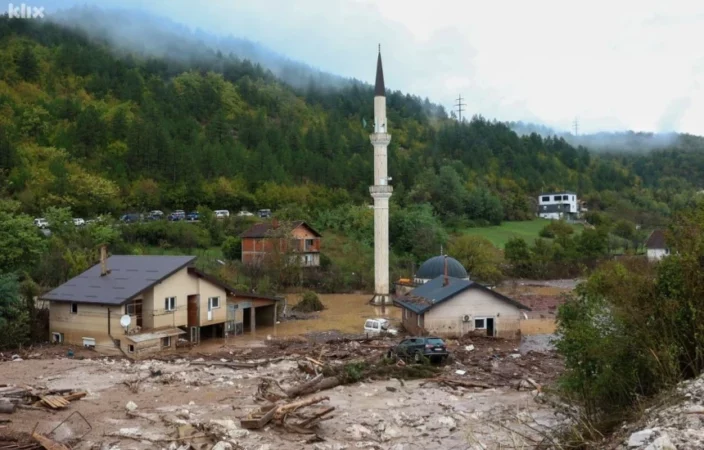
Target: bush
[232,248]
[557,228]
[309,303]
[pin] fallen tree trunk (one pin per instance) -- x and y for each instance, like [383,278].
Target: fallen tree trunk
[323,384]
[7,408]
[453,382]
[231,365]
[295,390]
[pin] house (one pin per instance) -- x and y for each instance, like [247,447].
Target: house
[451,307]
[144,304]
[558,205]
[267,239]
[656,246]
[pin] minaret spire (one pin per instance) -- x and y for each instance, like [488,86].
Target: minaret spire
[379,89]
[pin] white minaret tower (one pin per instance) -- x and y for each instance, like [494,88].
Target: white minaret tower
[380,191]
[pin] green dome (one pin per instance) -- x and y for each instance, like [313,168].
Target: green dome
[435,267]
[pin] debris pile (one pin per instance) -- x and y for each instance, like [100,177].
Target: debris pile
[678,425]
[14,397]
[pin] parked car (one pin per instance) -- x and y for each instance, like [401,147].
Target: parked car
[244,213]
[378,326]
[131,218]
[41,222]
[177,215]
[420,347]
[264,213]
[222,213]
[155,215]
[79,222]
[193,216]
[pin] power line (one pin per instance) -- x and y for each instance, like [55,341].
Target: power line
[459,106]
[575,126]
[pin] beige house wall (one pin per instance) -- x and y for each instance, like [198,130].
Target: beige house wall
[91,321]
[446,319]
[207,290]
[180,285]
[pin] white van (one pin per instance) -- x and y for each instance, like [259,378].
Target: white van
[378,326]
[222,213]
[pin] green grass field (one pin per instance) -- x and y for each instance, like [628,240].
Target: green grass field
[499,235]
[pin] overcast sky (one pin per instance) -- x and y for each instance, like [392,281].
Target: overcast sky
[614,65]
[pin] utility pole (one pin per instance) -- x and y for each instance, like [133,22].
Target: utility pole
[459,106]
[575,126]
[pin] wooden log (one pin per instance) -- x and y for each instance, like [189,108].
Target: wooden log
[231,365]
[454,382]
[290,407]
[309,421]
[295,390]
[75,396]
[315,361]
[7,408]
[325,383]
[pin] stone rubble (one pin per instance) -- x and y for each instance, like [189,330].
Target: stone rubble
[673,427]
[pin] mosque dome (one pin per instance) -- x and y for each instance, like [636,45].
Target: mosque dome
[435,267]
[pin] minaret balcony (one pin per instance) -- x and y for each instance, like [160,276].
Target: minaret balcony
[380,139]
[381,190]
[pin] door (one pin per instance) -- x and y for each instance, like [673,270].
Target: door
[490,326]
[210,308]
[138,312]
[192,310]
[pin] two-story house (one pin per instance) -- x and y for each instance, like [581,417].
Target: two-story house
[142,304]
[297,240]
[558,205]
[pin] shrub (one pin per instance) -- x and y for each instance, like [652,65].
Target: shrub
[556,228]
[232,248]
[309,303]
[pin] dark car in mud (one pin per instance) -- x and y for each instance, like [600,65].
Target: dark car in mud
[420,348]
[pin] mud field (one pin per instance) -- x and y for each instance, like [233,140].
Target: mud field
[486,397]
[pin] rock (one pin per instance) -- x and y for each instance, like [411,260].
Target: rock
[443,422]
[391,432]
[662,443]
[515,355]
[391,389]
[640,437]
[227,428]
[358,432]
[469,348]
[264,447]
[131,406]
[222,445]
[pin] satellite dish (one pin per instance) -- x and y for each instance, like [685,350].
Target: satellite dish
[125,321]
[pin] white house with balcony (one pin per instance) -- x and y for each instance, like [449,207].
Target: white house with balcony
[558,205]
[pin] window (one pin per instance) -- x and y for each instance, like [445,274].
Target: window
[166,342]
[89,342]
[546,199]
[130,348]
[480,324]
[131,309]
[418,320]
[57,338]
[214,302]
[74,308]
[170,303]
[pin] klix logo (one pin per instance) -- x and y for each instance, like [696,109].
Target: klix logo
[24,12]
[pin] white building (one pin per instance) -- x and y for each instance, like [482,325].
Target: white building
[656,247]
[558,205]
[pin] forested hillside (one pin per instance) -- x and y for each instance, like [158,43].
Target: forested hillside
[85,127]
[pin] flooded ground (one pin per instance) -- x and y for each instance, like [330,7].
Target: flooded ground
[345,313]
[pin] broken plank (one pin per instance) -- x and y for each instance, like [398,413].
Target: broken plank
[314,361]
[75,396]
[309,421]
[257,423]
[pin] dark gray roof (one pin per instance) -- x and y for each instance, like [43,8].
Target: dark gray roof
[379,89]
[435,267]
[129,276]
[656,240]
[432,293]
[264,230]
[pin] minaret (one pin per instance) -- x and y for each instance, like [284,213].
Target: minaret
[380,191]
